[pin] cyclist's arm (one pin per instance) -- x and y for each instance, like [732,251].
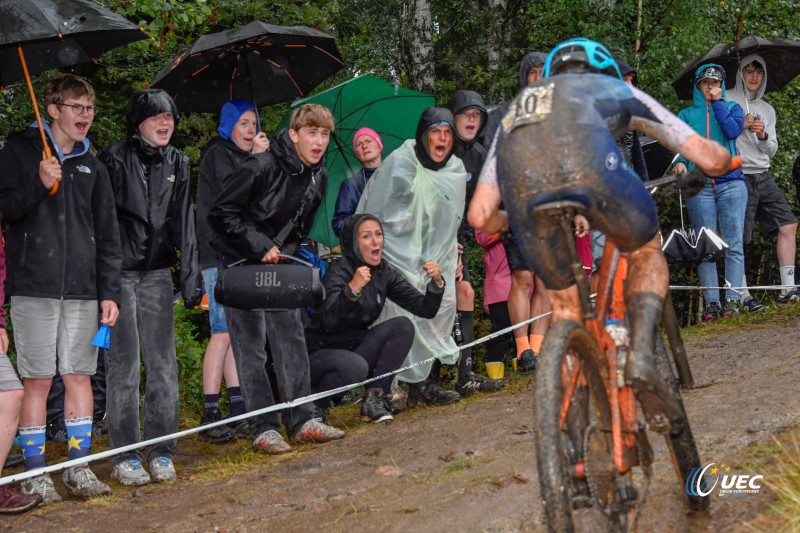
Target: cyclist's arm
[653,119]
[484,210]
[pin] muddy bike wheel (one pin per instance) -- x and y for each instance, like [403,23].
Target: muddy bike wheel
[558,452]
[681,446]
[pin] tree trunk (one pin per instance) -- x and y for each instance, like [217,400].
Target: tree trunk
[420,45]
[495,52]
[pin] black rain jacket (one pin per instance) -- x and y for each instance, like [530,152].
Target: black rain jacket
[219,159]
[60,246]
[154,208]
[344,317]
[472,153]
[258,199]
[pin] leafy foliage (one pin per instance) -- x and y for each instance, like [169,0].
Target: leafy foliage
[372,37]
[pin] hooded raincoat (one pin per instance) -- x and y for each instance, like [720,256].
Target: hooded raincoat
[421,204]
[220,158]
[756,154]
[719,121]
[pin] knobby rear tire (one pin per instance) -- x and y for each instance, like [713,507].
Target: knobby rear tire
[682,448]
[555,484]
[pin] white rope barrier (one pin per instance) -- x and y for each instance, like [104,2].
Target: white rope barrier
[285,405]
[310,398]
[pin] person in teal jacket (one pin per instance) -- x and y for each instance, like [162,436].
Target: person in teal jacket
[723,201]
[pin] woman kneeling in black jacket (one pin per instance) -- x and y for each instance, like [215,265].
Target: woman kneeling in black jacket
[342,347]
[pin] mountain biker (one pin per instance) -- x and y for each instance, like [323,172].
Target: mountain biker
[557,142]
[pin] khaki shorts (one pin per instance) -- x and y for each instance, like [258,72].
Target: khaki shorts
[49,332]
[8,378]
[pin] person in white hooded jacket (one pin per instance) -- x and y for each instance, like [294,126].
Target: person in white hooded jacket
[766,203]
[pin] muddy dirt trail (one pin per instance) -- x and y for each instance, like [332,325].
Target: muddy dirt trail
[466,467]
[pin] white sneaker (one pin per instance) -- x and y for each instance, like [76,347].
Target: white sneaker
[43,485]
[81,481]
[162,469]
[130,472]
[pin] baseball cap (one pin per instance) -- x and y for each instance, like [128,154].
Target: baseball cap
[713,73]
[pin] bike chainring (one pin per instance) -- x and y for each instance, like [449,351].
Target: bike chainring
[599,466]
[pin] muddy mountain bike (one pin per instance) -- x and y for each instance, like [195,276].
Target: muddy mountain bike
[593,454]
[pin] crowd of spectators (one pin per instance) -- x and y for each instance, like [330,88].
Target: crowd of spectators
[92,240]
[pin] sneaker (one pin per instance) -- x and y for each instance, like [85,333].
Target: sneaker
[271,442]
[81,481]
[241,429]
[56,430]
[216,434]
[374,407]
[162,469]
[752,305]
[790,297]
[712,312]
[314,430]
[100,425]
[14,459]
[527,362]
[476,382]
[13,502]
[430,393]
[729,308]
[41,485]
[130,472]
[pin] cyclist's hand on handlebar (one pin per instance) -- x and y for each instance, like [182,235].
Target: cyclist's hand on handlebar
[679,168]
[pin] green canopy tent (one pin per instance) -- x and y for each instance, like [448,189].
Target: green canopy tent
[389,109]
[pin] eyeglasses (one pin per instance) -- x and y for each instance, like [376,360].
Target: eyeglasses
[79,109]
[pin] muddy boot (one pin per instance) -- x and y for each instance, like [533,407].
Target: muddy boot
[641,372]
[429,392]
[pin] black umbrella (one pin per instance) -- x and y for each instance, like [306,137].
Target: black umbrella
[684,246]
[262,63]
[781,55]
[39,35]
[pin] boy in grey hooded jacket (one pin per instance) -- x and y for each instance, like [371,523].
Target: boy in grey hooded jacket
[766,203]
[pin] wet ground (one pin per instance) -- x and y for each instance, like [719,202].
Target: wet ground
[465,467]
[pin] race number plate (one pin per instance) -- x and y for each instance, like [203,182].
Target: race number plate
[531,106]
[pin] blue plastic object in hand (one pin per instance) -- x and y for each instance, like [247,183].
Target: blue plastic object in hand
[103,337]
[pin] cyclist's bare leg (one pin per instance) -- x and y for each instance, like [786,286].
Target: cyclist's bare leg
[540,304]
[648,282]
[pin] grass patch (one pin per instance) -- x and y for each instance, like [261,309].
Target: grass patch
[786,483]
[457,466]
[773,314]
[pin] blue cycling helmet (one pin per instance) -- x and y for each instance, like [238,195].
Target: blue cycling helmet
[587,52]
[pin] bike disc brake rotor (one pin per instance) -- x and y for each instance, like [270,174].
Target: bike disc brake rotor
[599,464]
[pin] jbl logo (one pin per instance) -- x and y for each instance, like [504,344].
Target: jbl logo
[267,279]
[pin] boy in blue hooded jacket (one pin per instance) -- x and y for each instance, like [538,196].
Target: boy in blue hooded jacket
[724,198]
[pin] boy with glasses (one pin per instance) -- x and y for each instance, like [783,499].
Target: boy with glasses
[64,261]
